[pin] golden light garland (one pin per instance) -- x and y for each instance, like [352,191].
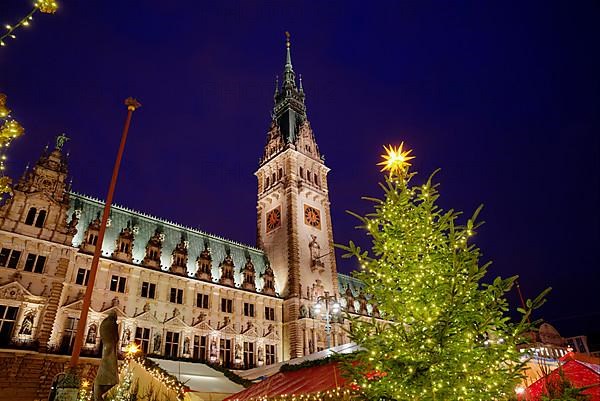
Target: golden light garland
[44,6]
[336,394]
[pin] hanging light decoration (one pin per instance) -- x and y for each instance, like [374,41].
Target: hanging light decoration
[44,6]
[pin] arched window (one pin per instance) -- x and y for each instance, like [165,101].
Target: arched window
[31,216]
[267,183]
[39,222]
[301,172]
[280,174]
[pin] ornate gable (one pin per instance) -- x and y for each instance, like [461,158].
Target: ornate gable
[176,322]
[15,290]
[147,316]
[203,325]
[228,329]
[117,310]
[250,331]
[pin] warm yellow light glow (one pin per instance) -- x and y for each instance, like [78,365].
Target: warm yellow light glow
[395,160]
[85,384]
[132,349]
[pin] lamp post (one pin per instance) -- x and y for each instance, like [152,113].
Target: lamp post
[132,105]
[328,306]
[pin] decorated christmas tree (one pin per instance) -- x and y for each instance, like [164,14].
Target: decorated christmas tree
[446,334]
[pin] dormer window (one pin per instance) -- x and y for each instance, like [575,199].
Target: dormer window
[31,216]
[92,239]
[153,249]
[204,271]
[269,281]
[179,257]
[91,236]
[39,222]
[249,275]
[124,245]
[227,270]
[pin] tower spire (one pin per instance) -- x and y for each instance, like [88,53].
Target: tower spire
[289,77]
[288,56]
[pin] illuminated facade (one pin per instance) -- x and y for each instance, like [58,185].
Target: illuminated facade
[177,291]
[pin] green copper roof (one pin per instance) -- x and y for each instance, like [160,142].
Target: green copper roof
[144,225]
[344,281]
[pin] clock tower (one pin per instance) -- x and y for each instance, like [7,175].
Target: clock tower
[293,215]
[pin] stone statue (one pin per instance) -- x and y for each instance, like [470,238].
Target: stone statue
[157,344]
[91,335]
[186,346]
[108,372]
[60,141]
[315,248]
[27,325]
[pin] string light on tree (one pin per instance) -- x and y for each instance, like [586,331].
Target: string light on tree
[44,6]
[10,129]
[452,338]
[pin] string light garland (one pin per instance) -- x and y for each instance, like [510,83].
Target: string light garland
[337,394]
[127,388]
[451,338]
[44,6]
[10,129]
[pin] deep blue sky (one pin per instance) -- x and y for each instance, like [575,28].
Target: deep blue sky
[503,96]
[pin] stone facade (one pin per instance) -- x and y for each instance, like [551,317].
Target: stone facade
[177,291]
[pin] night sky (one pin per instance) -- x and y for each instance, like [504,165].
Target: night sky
[503,96]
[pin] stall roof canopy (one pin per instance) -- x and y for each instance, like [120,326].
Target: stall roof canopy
[580,374]
[303,381]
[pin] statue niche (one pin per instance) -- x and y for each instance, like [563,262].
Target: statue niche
[316,264]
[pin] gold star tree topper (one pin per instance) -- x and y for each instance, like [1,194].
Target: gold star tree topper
[395,160]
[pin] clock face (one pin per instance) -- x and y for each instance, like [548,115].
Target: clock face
[274,219]
[312,216]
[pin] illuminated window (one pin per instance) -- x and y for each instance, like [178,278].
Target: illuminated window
[269,313]
[171,344]
[142,338]
[117,284]
[270,356]
[202,301]
[248,355]
[248,309]
[35,263]
[226,305]
[9,258]
[83,276]
[176,296]
[148,290]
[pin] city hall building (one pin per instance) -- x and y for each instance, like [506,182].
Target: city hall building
[179,292]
